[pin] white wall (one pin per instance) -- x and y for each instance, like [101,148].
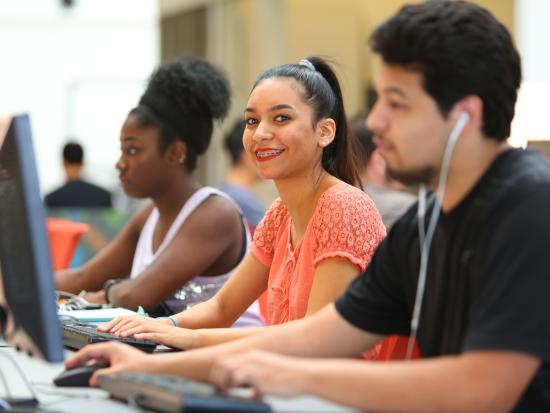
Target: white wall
[77,71]
[533,38]
[533,41]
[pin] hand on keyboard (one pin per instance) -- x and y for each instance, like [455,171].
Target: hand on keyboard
[77,335]
[160,331]
[95,297]
[75,302]
[267,373]
[124,325]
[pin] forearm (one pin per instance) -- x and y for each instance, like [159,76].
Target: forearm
[124,294]
[436,385]
[244,286]
[130,293]
[367,385]
[313,336]
[72,281]
[213,336]
[208,314]
[319,335]
[197,363]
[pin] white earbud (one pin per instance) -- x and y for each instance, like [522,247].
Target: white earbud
[425,236]
[460,124]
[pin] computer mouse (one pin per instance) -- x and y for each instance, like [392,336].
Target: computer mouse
[77,377]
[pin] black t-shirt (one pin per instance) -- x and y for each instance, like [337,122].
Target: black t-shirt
[79,194]
[488,278]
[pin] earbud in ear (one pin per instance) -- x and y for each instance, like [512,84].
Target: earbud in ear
[459,126]
[464,117]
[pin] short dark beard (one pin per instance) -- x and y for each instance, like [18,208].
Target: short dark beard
[422,176]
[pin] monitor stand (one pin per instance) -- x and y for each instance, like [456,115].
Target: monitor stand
[3,320]
[17,403]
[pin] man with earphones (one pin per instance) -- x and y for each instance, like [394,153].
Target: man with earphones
[466,272]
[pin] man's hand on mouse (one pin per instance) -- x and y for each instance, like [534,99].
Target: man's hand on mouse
[119,357]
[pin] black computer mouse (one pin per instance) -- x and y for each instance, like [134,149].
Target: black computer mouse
[77,377]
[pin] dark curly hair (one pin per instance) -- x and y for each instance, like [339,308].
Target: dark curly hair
[182,99]
[460,49]
[321,90]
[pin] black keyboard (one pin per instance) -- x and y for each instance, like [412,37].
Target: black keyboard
[172,394]
[77,335]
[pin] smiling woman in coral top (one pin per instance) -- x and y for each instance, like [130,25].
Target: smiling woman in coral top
[316,237]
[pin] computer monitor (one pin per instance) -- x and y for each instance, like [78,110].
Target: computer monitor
[27,295]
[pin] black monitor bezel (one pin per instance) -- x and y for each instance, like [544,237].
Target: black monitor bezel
[33,325]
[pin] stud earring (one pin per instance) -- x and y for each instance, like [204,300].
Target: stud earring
[324,143]
[181,159]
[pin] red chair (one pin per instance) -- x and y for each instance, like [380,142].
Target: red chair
[392,348]
[395,348]
[63,236]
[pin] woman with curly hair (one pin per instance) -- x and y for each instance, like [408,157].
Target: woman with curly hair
[180,248]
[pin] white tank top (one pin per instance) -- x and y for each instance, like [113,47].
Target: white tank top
[199,288]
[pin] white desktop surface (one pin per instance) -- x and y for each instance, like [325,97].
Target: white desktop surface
[84,400]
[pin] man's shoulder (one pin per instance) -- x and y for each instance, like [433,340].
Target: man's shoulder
[518,183]
[519,174]
[79,194]
[53,196]
[90,186]
[524,167]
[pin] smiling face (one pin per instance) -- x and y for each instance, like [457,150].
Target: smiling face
[143,168]
[410,131]
[280,136]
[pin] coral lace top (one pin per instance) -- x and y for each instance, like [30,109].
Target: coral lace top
[345,224]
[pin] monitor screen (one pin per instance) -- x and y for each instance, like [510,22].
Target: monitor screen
[27,295]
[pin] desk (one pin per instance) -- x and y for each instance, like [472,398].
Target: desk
[88,400]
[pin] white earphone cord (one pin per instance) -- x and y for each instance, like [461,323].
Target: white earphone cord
[425,238]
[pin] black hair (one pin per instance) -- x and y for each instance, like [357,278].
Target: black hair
[364,138]
[233,141]
[321,90]
[182,99]
[460,49]
[73,153]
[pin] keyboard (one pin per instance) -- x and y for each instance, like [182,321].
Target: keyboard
[170,394]
[77,335]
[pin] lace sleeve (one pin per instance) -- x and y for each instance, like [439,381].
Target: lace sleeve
[265,235]
[347,225]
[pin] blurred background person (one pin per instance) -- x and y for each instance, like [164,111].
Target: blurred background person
[242,176]
[390,196]
[77,192]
